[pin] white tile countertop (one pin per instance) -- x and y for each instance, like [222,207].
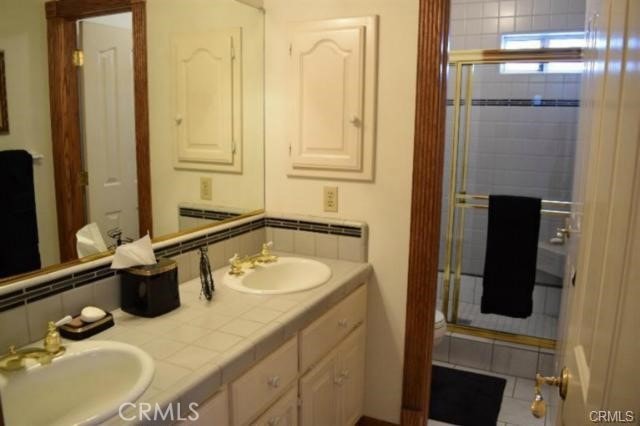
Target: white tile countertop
[203,345]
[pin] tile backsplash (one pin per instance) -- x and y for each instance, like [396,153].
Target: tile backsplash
[24,313]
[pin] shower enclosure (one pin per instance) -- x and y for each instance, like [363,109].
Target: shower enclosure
[511,130]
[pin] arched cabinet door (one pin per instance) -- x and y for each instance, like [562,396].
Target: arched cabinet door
[332,79]
[207,104]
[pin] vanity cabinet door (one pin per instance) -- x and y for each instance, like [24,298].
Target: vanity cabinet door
[282,413]
[319,393]
[332,393]
[351,355]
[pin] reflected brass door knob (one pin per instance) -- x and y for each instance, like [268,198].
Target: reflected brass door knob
[539,405]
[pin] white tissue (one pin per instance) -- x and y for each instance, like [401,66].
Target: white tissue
[89,241]
[136,253]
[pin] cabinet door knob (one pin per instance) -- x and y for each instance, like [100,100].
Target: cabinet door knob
[345,374]
[274,381]
[343,323]
[338,380]
[355,121]
[178,119]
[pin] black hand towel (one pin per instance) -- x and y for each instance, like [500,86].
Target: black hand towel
[19,250]
[510,260]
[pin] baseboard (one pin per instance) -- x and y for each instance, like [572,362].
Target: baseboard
[370,421]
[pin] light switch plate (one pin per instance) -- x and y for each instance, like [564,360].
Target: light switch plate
[206,193]
[331,199]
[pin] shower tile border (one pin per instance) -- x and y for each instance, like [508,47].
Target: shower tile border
[573,103]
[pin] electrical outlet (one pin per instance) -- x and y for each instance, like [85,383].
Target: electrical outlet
[206,193]
[331,199]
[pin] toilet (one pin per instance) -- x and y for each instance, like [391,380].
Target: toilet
[440,328]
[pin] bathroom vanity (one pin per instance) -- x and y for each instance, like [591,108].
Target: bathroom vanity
[289,359]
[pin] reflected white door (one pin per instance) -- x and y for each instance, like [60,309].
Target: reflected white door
[109,132]
[599,339]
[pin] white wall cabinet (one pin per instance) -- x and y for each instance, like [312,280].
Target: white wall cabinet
[332,392]
[332,96]
[207,104]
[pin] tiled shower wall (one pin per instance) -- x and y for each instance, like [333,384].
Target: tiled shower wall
[478,24]
[518,150]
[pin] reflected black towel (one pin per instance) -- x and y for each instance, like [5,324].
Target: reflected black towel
[19,250]
[510,262]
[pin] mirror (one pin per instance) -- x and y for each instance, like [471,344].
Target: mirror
[205,156]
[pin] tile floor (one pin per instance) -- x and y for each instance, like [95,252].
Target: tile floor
[516,399]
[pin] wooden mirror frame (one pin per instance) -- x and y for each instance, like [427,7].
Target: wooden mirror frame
[4,107]
[65,112]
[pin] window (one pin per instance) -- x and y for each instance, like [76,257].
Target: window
[540,41]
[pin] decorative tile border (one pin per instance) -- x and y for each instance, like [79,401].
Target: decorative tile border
[206,214]
[64,283]
[208,239]
[312,226]
[535,102]
[53,287]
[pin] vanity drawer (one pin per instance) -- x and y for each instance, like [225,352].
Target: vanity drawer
[282,413]
[323,334]
[261,385]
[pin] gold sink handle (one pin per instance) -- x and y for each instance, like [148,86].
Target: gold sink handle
[236,266]
[539,405]
[265,255]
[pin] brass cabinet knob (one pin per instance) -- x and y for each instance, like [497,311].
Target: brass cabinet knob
[539,405]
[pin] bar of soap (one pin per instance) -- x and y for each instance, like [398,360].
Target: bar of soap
[76,322]
[92,314]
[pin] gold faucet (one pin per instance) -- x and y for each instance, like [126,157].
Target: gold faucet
[265,255]
[15,359]
[238,264]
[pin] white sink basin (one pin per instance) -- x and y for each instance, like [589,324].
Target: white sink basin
[86,385]
[286,275]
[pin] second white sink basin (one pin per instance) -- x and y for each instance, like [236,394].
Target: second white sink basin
[84,386]
[286,275]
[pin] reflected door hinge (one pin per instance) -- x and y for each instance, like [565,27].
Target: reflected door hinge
[233,53]
[78,58]
[289,150]
[83,178]
[290,49]
[233,147]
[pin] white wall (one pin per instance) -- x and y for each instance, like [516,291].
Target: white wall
[23,37]
[385,203]
[170,186]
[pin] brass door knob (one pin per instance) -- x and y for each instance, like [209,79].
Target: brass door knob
[539,405]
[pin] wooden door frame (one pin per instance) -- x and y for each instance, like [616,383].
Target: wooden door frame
[428,166]
[65,113]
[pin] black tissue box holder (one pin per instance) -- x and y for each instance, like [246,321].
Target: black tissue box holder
[150,290]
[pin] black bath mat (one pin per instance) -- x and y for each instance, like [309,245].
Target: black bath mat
[464,398]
